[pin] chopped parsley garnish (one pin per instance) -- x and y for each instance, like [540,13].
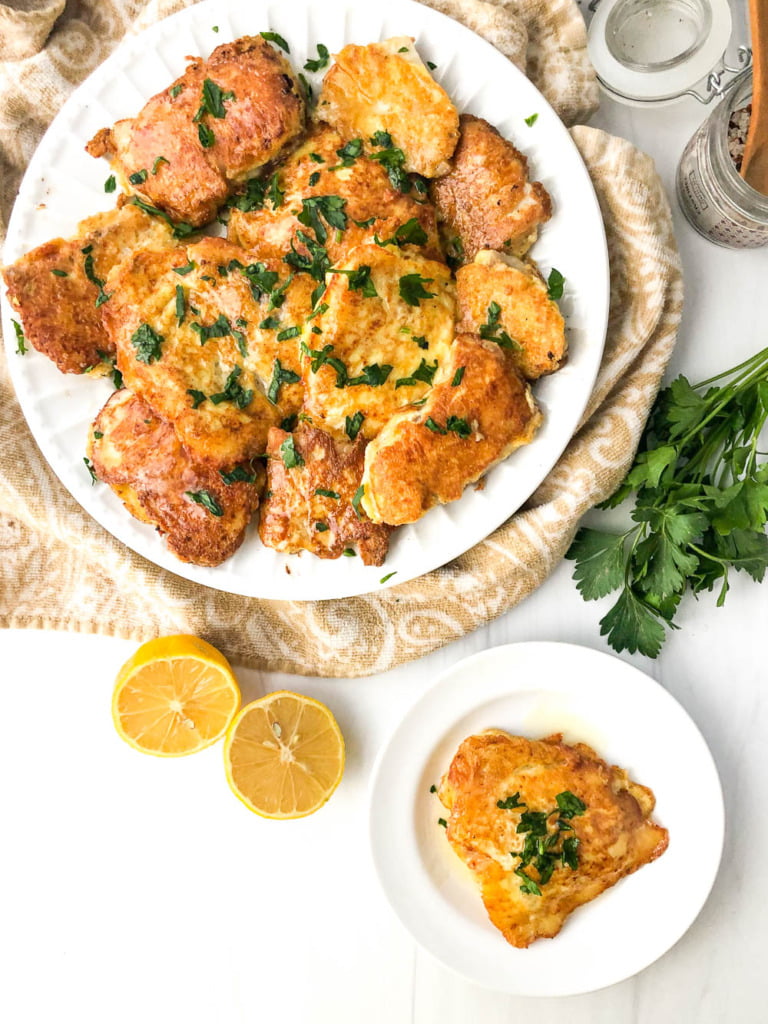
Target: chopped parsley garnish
[403,49]
[180,229]
[443,822]
[314,178]
[349,552]
[206,136]
[289,423]
[327,494]
[373,376]
[288,333]
[331,208]
[359,280]
[357,498]
[433,787]
[175,90]
[197,397]
[91,470]
[97,435]
[275,194]
[159,160]
[280,376]
[458,426]
[431,65]
[214,28]
[148,344]
[531,120]
[213,99]
[555,283]
[392,159]
[322,59]
[270,323]
[318,311]
[273,37]
[412,289]
[321,527]
[410,233]
[384,580]
[187,269]
[59,273]
[138,177]
[509,803]
[291,457]
[102,297]
[220,328]
[420,340]
[321,357]
[381,139]
[317,158]
[317,264]
[458,377]
[233,391]
[365,223]
[110,184]
[423,373]
[261,280]
[207,500]
[348,153]
[430,424]
[306,87]
[21,348]
[491,330]
[239,475]
[277,295]
[181,304]
[352,425]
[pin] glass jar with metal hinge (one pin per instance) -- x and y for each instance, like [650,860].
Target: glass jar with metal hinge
[714,197]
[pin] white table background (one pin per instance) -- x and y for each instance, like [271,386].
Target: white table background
[134,889]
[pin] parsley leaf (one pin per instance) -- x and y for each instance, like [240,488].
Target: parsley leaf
[180,229]
[183,271]
[220,328]
[273,37]
[102,297]
[21,348]
[531,120]
[327,494]
[412,289]
[392,159]
[148,344]
[110,184]
[410,233]
[213,99]
[359,280]
[238,475]
[348,153]
[280,376]
[233,391]
[424,373]
[290,456]
[491,330]
[322,59]
[509,803]
[352,425]
[555,283]
[198,397]
[207,500]
[331,208]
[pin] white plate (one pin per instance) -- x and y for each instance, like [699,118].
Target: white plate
[62,185]
[535,689]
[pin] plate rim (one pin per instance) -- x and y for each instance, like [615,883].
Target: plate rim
[475,698]
[320,585]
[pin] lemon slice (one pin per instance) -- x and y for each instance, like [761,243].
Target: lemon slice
[176,695]
[284,755]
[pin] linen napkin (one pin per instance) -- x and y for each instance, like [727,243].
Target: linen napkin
[61,570]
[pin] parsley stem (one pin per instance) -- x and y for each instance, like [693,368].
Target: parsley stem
[761,355]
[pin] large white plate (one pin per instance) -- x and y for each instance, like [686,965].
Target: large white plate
[63,185]
[535,689]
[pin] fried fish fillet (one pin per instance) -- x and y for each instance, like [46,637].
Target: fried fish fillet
[312,482]
[202,518]
[427,455]
[371,205]
[527,313]
[191,144]
[386,87]
[614,833]
[202,350]
[57,288]
[485,201]
[377,353]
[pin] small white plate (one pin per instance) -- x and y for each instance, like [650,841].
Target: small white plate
[63,185]
[535,689]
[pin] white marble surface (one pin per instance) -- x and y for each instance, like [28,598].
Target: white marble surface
[133,889]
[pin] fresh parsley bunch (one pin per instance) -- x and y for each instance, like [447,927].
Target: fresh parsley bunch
[701,504]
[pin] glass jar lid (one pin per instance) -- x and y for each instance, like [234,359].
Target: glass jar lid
[652,52]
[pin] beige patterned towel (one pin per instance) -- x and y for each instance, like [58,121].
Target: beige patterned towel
[60,570]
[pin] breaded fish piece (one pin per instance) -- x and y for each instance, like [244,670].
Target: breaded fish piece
[202,518]
[377,353]
[477,416]
[191,144]
[312,484]
[371,205]
[56,292]
[386,87]
[526,313]
[485,201]
[202,350]
[614,833]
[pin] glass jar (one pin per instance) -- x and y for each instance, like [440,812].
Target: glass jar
[714,197]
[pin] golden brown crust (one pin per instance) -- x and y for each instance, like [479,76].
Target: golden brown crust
[377,88]
[59,313]
[364,186]
[265,113]
[615,834]
[528,315]
[222,430]
[486,200]
[412,466]
[293,510]
[141,458]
